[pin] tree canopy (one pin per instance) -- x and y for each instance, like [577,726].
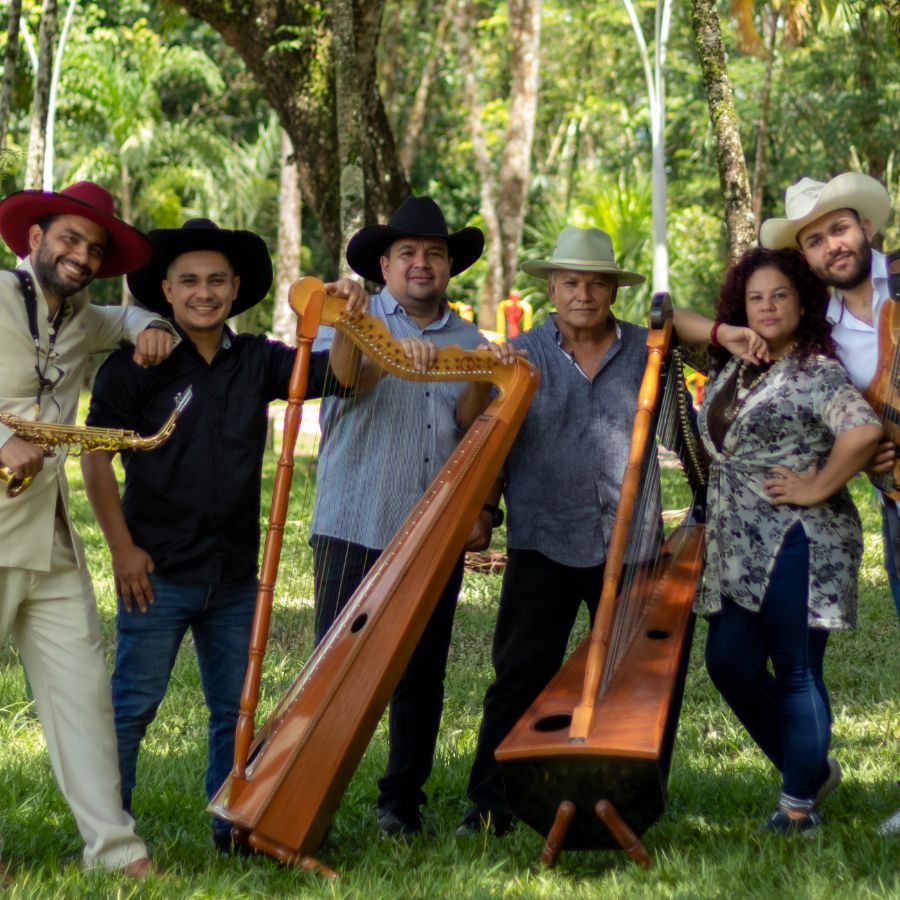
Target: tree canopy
[175,107]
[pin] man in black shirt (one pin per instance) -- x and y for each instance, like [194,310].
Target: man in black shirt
[185,537]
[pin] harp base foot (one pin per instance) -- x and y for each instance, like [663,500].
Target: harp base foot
[623,835]
[610,817]
[294,858]
[557,836]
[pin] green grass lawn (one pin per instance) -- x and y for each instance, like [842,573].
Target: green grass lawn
[704,846]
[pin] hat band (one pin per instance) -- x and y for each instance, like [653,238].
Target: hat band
[580,262]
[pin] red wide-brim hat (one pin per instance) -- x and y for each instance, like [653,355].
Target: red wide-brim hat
[126,247]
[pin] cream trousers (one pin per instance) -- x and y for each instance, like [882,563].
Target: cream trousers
[52,617]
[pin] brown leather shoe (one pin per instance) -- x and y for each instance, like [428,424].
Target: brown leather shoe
[140,869]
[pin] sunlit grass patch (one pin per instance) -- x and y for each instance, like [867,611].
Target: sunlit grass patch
[721,787]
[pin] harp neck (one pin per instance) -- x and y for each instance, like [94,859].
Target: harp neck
[310,301]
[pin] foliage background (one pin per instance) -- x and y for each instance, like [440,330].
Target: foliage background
[155,103]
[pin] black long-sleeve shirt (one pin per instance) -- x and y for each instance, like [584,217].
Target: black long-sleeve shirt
[193,503]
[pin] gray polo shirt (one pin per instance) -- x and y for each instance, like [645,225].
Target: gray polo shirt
[565,469]
[381,449]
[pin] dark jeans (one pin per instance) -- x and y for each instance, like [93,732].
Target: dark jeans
[890,531]
[415,711]
[539,601]
[788,714]
[220,617]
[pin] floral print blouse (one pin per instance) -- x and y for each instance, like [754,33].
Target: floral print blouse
[791,419]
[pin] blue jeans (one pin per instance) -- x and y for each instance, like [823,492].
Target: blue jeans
[788,714]
[890,532]
[220,617]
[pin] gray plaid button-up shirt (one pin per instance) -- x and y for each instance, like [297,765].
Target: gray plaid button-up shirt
[380,450]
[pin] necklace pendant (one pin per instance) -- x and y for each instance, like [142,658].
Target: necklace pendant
[37,410]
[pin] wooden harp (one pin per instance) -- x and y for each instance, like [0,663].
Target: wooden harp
[287,781]
[588,763]
[883,392]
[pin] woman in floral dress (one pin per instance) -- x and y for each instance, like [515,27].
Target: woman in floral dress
[785,430]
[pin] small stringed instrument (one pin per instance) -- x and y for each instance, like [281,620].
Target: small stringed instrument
[883,392]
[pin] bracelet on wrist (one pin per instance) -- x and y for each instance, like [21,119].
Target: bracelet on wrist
[496,514]
[713,339]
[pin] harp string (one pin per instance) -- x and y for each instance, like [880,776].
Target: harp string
[294,614]
[293,606]
[662,502]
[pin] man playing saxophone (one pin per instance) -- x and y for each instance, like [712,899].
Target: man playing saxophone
[48,329]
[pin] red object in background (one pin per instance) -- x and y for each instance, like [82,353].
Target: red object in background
[514,313]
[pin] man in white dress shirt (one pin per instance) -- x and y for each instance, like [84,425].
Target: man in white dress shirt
[832,224]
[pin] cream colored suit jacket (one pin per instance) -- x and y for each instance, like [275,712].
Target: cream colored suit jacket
[26,521]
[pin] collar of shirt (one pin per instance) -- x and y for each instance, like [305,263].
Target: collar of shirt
[837,313]
[571,356]
[393,307]
[185,341]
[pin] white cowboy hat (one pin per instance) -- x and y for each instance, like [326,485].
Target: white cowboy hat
[582,250]
[807,200]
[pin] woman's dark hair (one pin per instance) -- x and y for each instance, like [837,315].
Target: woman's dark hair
[813,333]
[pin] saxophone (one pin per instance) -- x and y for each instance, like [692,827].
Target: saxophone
[82,439]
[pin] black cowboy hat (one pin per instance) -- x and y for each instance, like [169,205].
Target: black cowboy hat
[126,247]
[247,252]
[416,217]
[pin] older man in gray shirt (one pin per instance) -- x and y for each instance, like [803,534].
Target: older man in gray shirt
[562,480]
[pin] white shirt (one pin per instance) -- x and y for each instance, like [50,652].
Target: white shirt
[857,342]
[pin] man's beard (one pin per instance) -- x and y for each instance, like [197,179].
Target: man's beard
[856,275]
[47,271]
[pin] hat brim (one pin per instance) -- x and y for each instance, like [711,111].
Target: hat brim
[541,268]
[369,244]
[852,190]
[126,247]
[247,252]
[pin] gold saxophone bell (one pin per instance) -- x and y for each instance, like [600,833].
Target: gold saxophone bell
[83,439]
[14,484]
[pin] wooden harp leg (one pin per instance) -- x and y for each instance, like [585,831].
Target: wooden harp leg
[624,836]
[557,836]
[304,862]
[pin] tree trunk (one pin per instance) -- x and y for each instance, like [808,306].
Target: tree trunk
[289,49]
[762,132]
[729,150]
[125,211]
[503,196]
[392,56]
[492,287]
[869,113]
[37,133]
[9,66]
[412,130]
[515,167]
[287,270]
[348,104]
